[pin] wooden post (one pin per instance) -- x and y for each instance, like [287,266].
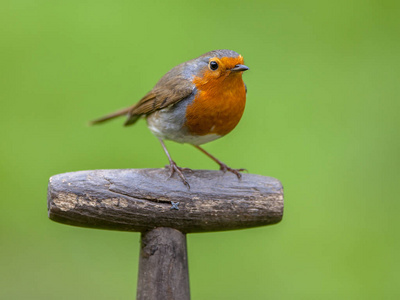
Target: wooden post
[163,265]
[164,211]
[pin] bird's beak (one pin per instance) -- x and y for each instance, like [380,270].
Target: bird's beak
[238,68]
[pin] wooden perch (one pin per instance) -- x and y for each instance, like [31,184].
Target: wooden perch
[143,199]
[164,210]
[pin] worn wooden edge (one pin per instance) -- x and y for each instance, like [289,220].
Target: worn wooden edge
[143,199]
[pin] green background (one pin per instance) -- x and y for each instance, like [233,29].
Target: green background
[322,116]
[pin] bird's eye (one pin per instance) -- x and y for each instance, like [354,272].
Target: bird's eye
[213,65]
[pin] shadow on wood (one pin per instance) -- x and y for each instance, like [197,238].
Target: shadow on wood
[164,210]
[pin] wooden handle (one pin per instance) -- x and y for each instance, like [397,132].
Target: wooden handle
[163,266]
[143,199]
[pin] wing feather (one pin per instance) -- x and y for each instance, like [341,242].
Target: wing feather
[164,94]
[169,90]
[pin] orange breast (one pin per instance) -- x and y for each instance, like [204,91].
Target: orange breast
[218,105]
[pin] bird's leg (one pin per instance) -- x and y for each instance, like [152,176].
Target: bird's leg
[174,167]
[223,167]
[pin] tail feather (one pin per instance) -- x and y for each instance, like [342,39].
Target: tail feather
[116,114]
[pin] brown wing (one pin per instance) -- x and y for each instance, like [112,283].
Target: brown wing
[173,87]
[167,92]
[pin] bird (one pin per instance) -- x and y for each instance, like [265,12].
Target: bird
[196,102]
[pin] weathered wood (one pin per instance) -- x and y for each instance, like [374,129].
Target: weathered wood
[164,210]
[143,199]
[163,265]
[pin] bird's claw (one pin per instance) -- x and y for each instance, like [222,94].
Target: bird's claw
[224,168]
[175,169]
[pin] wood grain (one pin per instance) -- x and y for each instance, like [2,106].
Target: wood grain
[163,265]
[141,199]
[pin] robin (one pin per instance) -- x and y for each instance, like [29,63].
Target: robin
[196,102]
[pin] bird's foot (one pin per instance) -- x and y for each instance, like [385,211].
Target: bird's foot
[175,169]
[224,168]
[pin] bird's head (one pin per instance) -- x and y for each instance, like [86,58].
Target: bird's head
[215,66]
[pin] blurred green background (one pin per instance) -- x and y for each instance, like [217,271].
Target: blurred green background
[322,116]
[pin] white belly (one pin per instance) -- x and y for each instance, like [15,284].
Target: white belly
[168,124]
